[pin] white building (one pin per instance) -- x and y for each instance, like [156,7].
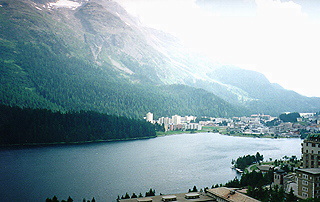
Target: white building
[150,117]
[176,119]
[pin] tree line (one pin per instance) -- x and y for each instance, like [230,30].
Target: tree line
[27,126]
[55,199]
[247,160]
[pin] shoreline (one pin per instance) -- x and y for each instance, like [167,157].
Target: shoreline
[158,134]
[221,131]
[73,143]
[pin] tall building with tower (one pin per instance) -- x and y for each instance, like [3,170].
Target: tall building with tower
[311,151]
[308,177]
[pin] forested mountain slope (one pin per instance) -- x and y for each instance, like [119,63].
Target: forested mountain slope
[48,63]
[94,56]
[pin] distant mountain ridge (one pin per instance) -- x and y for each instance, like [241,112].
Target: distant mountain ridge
[95,56]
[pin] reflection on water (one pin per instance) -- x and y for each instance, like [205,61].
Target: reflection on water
[170,164]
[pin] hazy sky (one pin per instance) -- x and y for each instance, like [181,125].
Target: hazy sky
[280,39]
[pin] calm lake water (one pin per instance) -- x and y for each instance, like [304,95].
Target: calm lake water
[170,164]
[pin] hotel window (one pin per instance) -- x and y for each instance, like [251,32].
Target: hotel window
[305,176]
[313,144]
[304,189]
[304,182]
[305,195]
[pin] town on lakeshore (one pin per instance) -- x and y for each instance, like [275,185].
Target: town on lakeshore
[291,179]
[257,125]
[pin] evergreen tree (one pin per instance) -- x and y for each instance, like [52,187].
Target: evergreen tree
[150,193]
[126,196]
[70,199]
[55,199]
[134,196]
[194,189]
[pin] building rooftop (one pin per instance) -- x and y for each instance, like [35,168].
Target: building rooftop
[265,168]
[280,171]
[314,171]
[231,195]
[313,137]
[178,197]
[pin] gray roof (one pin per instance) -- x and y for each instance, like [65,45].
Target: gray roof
[314,171]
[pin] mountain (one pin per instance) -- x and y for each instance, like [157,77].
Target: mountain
[88,59]
[260,94]
[92,55]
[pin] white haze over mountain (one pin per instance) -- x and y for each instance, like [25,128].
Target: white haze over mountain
[277,38]
[65,4]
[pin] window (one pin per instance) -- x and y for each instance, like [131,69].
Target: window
[313,145]
[304,182]
[304,189]
[305,176]
[305,195]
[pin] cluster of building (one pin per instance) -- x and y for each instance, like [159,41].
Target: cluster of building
[176,122]
[256,124]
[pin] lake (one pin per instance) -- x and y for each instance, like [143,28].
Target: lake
[168,164]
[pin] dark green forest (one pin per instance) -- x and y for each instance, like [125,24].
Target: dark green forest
[31,79]
[29,126]
[290,117]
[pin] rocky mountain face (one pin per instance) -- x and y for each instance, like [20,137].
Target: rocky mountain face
[92,55]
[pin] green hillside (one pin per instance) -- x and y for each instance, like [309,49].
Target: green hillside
[43,66]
